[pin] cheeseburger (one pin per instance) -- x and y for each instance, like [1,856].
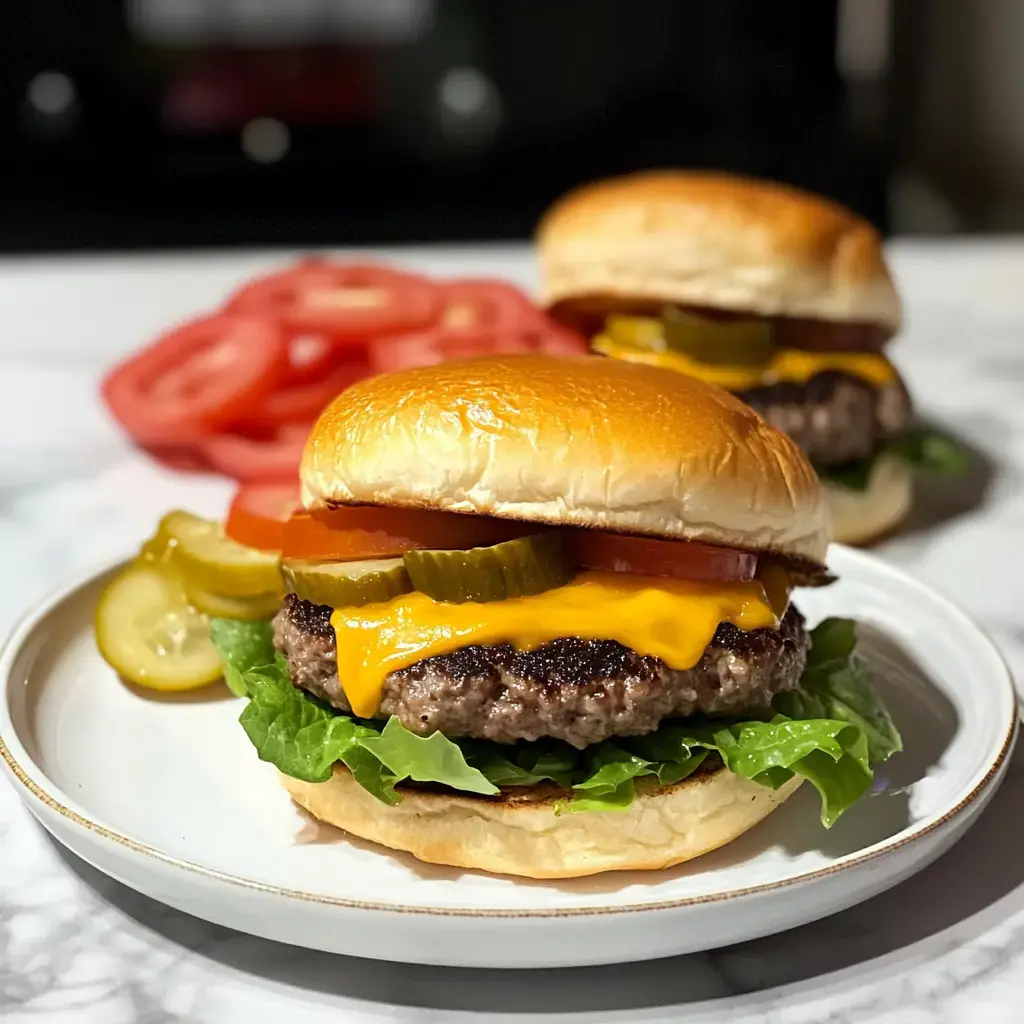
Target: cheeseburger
[782,297]
[539,621]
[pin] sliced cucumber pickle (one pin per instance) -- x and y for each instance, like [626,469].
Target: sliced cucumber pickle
[221,606]
[736,342]
[341,584]
[158,550]
[643,332]
[515,568]
[149,635]
[212,562]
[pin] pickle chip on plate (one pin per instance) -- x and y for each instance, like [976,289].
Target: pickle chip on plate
[148,632]
[216,564]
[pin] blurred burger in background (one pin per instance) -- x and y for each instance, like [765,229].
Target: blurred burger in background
[780,296]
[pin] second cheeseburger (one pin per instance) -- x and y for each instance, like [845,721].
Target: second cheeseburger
[540,621]
[778,295]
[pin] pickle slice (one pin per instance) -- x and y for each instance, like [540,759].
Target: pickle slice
[221,606]
[515,568]
[643,332]
[158,550]
[146,631]
[341,584]
[214,563]
[736,342]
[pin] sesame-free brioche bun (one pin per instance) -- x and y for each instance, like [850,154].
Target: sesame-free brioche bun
[860,517]
[570,441]
[519,833]
[716,241]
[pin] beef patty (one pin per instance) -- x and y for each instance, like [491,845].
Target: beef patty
[580,691]
[834,417]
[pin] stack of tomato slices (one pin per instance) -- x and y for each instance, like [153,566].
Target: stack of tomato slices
[238,390]
[269,517]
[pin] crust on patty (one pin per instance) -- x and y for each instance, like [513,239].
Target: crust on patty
[579,691]
[522,834]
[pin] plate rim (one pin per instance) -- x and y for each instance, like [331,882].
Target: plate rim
[67,808]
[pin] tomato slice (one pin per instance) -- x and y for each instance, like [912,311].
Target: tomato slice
[369,531]
[441,344]
[555,340]
[304,402]
[267,456]
[310,356]
[259,512]
[473,303]
[648,556]
[342,301]
[180,458]
[195,378]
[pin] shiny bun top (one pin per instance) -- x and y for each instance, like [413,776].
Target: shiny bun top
[715,241]
[577,441]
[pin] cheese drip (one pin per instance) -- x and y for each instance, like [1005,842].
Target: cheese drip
[670,619]
[787,364]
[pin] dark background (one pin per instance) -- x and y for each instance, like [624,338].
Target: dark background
[160,123]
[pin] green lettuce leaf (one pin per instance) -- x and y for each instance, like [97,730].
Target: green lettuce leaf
[432,758]
[369,772]
[854,476]
[836,684]
[923,449]
[303,738]
[610,785]
[243,646]
[525,765]
[932,452]
[300,737]
[831,755]
[671,772]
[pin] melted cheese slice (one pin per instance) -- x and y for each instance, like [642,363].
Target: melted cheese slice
[670,619]
[788,364]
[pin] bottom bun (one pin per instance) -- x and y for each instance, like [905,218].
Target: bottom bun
[859,517]
[519,833]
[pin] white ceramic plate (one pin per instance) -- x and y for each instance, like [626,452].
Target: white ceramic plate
[167,796]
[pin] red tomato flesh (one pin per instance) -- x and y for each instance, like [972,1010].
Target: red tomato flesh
[555,340]
[344,302]
[310,356]
[259,512]
[268,456]
[473,303]
[195,378]
[373,531]
[648,556]
[441,344]
[304,402]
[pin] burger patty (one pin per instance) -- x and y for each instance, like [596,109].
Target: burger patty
[579,691]
[834,417]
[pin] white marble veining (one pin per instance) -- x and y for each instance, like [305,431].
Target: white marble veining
[78,948]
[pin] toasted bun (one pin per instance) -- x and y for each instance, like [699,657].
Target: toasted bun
[576,441]
[520,834]
[718,241]
[859,517]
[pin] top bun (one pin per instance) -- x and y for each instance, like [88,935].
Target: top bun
[715,241]
[576,441]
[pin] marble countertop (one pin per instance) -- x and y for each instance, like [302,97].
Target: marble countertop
[78,948]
